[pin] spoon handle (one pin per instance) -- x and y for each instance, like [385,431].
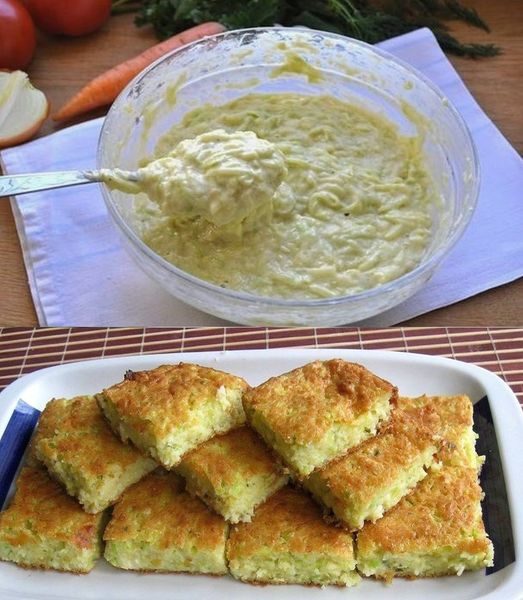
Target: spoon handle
[11,185]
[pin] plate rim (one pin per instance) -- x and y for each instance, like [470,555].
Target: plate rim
[506,412]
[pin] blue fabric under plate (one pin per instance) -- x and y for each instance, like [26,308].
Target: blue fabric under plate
[14,442]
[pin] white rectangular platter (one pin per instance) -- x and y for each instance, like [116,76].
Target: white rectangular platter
[413,374]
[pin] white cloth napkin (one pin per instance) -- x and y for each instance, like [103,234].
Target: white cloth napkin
[81,276]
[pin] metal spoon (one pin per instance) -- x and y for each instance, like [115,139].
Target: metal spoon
[14,185]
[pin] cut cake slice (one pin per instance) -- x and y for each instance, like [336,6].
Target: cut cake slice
[455,428]
[158,527]
[437,529]
[287,541]
[45,528]
[76,444]
[172,409]
[232,473]
[319,411]
[372,477]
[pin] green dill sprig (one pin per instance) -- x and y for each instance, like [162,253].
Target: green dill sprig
[364,20]
[468,15]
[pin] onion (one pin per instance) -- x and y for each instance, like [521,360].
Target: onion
[23,108]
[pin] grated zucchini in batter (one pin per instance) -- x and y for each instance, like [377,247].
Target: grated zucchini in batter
[352,210]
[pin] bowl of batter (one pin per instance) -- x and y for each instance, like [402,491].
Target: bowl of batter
[288,177]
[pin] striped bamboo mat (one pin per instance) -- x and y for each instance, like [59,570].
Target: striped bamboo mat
[22,351]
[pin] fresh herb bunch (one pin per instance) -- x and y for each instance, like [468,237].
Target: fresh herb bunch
[364,20]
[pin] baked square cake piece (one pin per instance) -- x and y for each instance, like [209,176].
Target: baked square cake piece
[455,417]
[158,527]
[232,473]
[172,409]
[437,529]
[45,528]
[287,541]
[372,477]
[76,444]
[317,412]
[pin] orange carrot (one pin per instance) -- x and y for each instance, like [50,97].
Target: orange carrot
[103,89]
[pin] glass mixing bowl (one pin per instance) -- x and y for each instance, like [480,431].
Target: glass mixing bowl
[221,68]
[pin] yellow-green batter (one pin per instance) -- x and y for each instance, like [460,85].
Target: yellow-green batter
[352,212]
[223,177]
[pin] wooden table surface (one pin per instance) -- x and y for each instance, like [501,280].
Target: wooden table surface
[61,66]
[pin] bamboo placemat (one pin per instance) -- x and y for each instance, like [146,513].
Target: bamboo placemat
[22,351]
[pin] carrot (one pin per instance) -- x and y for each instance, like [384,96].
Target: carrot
[105,88]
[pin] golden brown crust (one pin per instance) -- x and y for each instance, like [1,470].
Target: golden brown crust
[375,463]
[76,431]
[391,575]
[289,521]
[443,510]
[169,572]
[454,416]
[301,405]
[452,410]
[223,458]
[41,510]
[431,576]
[166,395]
[266,582]
[157,511]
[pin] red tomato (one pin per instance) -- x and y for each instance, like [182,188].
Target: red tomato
[17,35]
[69,17]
